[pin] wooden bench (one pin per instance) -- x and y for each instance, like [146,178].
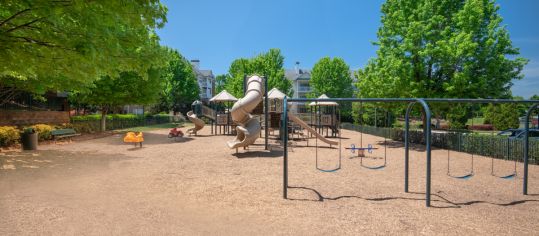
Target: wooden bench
[63,133]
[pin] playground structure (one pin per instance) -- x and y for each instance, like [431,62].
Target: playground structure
[313,125]
[175,133]
[275,98]
[427,134]
[199,124]
[219,113]
[132,137]
[361,150]
[324,116]
[248,126]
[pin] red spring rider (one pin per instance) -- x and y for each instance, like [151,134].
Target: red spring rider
[173,133]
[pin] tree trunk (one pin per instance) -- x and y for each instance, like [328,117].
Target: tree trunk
[103,119]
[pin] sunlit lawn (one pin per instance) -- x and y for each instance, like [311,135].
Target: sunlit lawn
[155,127]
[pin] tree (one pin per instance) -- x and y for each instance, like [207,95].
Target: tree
[534,97]
[181,86]
[269,64]
[502,116]
[59,45]
[129,88]
[220,83]
[331,77]
[236,72]
[441,48]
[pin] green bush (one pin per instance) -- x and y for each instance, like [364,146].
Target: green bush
[9,135]
[91,123]
[502,116]
[43,130]
[457,117]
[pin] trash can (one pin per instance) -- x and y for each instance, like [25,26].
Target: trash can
[29,139]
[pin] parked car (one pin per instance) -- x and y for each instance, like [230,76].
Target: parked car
[519,134]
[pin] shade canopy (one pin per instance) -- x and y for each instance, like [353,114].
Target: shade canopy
[223,96]
[275,93]
[323,103]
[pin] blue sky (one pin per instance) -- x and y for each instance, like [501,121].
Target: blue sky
[217,32]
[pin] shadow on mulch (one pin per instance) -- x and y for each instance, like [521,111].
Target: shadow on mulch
[199,135]
[258,154]
[441,199]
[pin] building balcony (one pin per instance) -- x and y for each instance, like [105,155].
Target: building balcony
[304,89]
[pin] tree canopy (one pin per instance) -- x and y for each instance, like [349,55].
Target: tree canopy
[331,77]
[441,48]
[269,64]
[220,83]
[51,45]
[129,88]
[180,84]
[502,116]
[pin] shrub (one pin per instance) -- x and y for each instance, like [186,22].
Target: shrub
[43,130]
[457,117]
[502,116]
[9,135]
[91,123]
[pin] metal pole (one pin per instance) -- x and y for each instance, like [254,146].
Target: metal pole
[285,142]
[214,107]
[375,117]
[407,145]
[428,150]
[244,84]
[526,148]
[266,109]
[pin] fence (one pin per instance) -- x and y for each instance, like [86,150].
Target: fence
[480,144]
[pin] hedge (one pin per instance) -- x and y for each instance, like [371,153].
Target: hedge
[92,123]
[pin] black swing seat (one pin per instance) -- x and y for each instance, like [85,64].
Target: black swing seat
[380,167]
[463,177]
[329,171]
[374,167]
[510,176]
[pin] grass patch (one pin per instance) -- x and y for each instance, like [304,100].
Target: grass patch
[476,121]
[153,127]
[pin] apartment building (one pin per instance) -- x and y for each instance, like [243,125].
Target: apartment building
[206,81]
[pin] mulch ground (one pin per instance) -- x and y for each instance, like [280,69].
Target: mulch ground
[196,185]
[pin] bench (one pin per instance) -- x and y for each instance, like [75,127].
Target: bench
[63,133]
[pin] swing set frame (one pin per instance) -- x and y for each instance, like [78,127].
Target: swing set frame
[424,102]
